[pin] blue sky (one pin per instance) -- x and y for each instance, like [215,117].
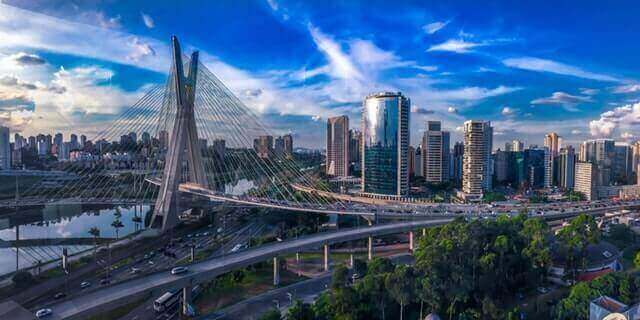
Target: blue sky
[530,68]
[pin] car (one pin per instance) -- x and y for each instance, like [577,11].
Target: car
[85,284]
[542,290]
[135,270]
[59,295]
[43,313]
[104,282]
[179,270]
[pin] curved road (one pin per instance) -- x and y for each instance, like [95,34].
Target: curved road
[106,298]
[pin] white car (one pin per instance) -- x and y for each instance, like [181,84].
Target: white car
[43,313]
[85,284]
[135,270]
[179,270]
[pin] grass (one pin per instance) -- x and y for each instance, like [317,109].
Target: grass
[118,312]
[224,291]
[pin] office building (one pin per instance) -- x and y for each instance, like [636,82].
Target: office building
[278,147]
[263,145]
[456,163]
[585,180]
[385,135]
[288,145]
[338,146]
[219,148]
[435,153]
[552,143]
[163,139]
[600,152]
[476,166]
[417,162]
[622,163]
[73,141]
[503,166]
[517,146]
[566,164]
[83,139]
[355,150]
[5,149]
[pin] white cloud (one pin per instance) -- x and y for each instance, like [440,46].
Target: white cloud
[339,63]
[455,45]
[589,92]
[628,88]
[506,111]
[434,27]
[564,99]
[148,21]
[627,135]
[576,131]
[544,65]
[273,4]
[625,119]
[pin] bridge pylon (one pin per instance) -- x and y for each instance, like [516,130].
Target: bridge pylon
[183,136]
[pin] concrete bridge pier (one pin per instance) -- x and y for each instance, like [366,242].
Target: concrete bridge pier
[411,244]
[424,232]
[351,260]
[276,272]
[186,299]
[326,257]
[370,248]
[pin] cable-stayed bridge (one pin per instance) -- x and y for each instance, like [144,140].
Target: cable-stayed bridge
[197,140]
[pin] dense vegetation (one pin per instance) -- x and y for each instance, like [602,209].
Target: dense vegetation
[470,270]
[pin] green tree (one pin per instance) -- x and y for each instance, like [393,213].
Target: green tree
[636,260]
[272,314]
[117,224]
[22,279]
[359,267]
[95,232]
[340,277]
[373,286]
[300,311]
[401,286]
[580,233]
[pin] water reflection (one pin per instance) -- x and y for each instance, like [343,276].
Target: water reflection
[70,221]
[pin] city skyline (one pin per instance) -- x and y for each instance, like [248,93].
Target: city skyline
[527,80]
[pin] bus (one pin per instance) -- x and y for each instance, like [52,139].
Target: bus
[166,301]
[171,298]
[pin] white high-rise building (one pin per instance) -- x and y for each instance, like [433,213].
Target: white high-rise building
[338,146]
[5,149]
[585,181]
[476,163]
[435,153]
[517,146]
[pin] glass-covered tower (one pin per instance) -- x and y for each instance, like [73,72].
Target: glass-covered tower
[385,142]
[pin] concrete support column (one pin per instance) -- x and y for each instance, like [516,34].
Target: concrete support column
[370,248]
[186,299]
[424,232]
[351,260]
[326,257]
[411,245]
[193,253]
[276,272]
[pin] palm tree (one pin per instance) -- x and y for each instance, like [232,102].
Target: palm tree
[95,232]
[117,224]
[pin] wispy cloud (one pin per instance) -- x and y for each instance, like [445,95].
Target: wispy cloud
[434,27]
[455,45]
[148,21]
[564,99]
[507,111]
[627,88]
[544,65]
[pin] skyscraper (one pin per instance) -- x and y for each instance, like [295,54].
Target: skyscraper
[435,155]
[355,149]
[566,167]
[288,145]
[263,145]
[552,142]
[417,162]
[457,157]
[585,182]
[73,141]
[5,149]
[517,146]
[278,147]
[552,146]
[622,163]
[163,138]
[476,166]
[600,152]
[338,146]
[385,135]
